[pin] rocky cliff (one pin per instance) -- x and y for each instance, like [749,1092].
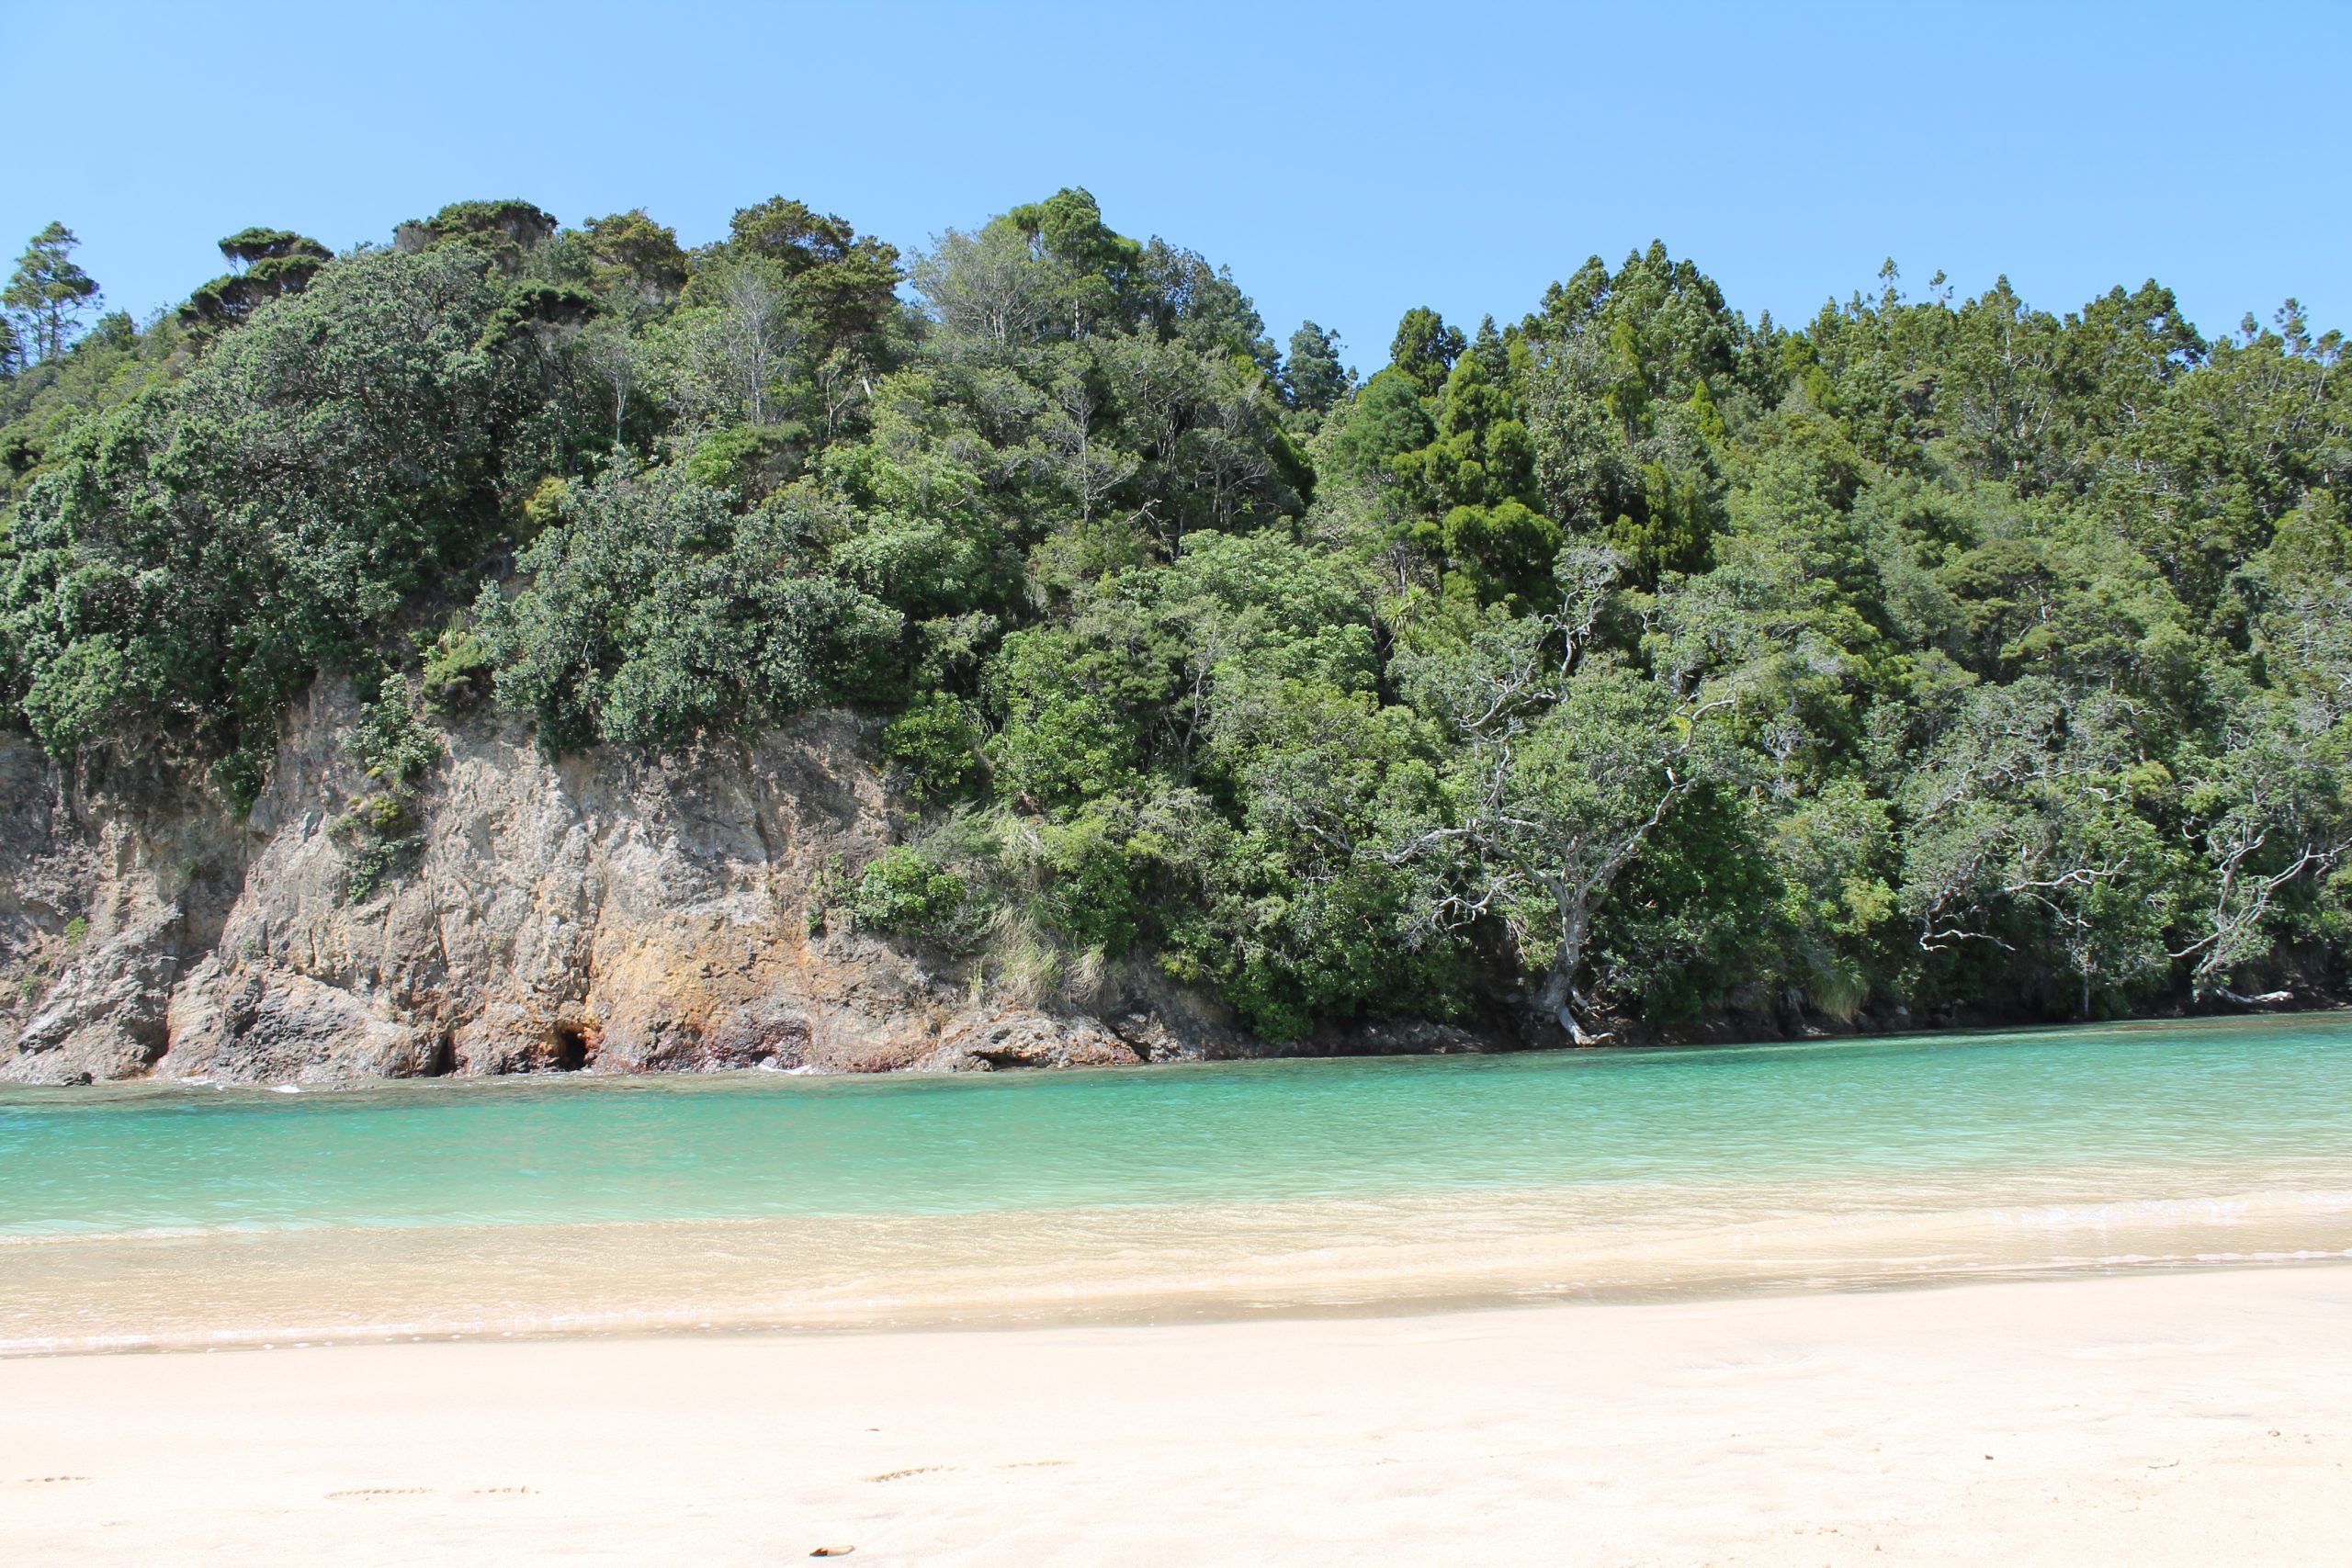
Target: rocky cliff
[607,912]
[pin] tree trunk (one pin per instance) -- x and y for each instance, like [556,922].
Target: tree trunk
[1557,997]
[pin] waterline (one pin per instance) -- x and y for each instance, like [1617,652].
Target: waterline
[161,1217]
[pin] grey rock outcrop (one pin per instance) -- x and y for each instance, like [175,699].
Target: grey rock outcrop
[609,912]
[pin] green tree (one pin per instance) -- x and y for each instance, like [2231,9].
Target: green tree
[1424,349]
[504,233]
[48,293]
[197,553]
[1565,769]
[1313,376]
[653,613]
[263,264]
[841,287]
[635,259]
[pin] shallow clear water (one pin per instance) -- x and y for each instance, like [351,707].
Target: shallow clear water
[151,1215]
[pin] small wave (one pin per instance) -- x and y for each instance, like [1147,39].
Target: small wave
[242,1285]
[2223,1208]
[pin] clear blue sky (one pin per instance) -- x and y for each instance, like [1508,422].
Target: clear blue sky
[1347,160]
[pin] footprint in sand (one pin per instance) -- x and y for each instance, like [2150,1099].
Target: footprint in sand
[902,1474]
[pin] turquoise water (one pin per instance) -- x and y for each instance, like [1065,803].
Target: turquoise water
[553,1150]
[767,1194]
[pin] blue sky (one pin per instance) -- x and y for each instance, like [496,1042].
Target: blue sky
[1348,162]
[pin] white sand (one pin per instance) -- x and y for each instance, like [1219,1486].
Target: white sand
[2176,1419]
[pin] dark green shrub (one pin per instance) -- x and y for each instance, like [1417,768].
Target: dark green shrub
[457,671]
[388,742]
[1088,895]
[936,746]
[904,893]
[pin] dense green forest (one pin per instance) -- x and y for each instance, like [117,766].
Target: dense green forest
[1607,669]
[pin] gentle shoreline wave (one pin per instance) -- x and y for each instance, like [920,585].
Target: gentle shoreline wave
[321,1285]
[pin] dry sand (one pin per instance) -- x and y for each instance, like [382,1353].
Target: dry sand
[2149,1420]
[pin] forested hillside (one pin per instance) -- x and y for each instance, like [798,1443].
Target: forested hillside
[1621,663]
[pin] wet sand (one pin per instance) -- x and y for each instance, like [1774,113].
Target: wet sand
[2181,1419]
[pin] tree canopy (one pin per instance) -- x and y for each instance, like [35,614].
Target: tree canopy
[1615,666]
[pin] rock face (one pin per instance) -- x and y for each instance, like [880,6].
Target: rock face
[102,905]
[607,912]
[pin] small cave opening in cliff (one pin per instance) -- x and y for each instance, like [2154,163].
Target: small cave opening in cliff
[568,1052]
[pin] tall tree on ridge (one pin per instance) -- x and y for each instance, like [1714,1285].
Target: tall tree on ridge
[50,292]
[1313,375]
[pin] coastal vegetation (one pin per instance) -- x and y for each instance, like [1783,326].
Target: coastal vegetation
[1620,663]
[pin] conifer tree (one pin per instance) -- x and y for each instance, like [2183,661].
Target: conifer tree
[50,293]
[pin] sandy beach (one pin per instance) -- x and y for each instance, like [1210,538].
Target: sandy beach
[2188,1418]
